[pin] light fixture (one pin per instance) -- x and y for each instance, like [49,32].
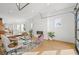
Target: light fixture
[19,6]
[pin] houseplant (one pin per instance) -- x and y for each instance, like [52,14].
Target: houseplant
[2,50]
[13,44]
[51,35]
[31,33]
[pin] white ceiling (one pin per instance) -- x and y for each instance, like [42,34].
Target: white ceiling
[9,11]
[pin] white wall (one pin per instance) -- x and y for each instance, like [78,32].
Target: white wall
[40,25]
[13,20]
[64,32]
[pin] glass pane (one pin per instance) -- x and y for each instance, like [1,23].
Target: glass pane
[22,27]
[18,28]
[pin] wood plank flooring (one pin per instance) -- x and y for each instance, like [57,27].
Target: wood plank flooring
[51,45]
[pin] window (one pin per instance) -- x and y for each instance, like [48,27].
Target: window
[22,28]
[17,28]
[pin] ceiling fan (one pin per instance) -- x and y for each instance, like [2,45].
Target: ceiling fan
[21,7]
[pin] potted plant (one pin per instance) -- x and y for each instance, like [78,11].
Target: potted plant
[51,35]
[31,32]
[13,44]
[2,50]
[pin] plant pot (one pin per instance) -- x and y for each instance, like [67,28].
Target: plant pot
[49,38]
[11,45]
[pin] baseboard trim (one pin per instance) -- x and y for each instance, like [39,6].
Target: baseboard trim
[62,41]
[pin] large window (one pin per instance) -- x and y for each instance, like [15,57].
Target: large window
[22,27]
[16,28]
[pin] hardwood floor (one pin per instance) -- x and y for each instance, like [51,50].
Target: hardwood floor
[51,45]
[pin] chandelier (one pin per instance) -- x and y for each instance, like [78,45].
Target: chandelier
[21,7]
